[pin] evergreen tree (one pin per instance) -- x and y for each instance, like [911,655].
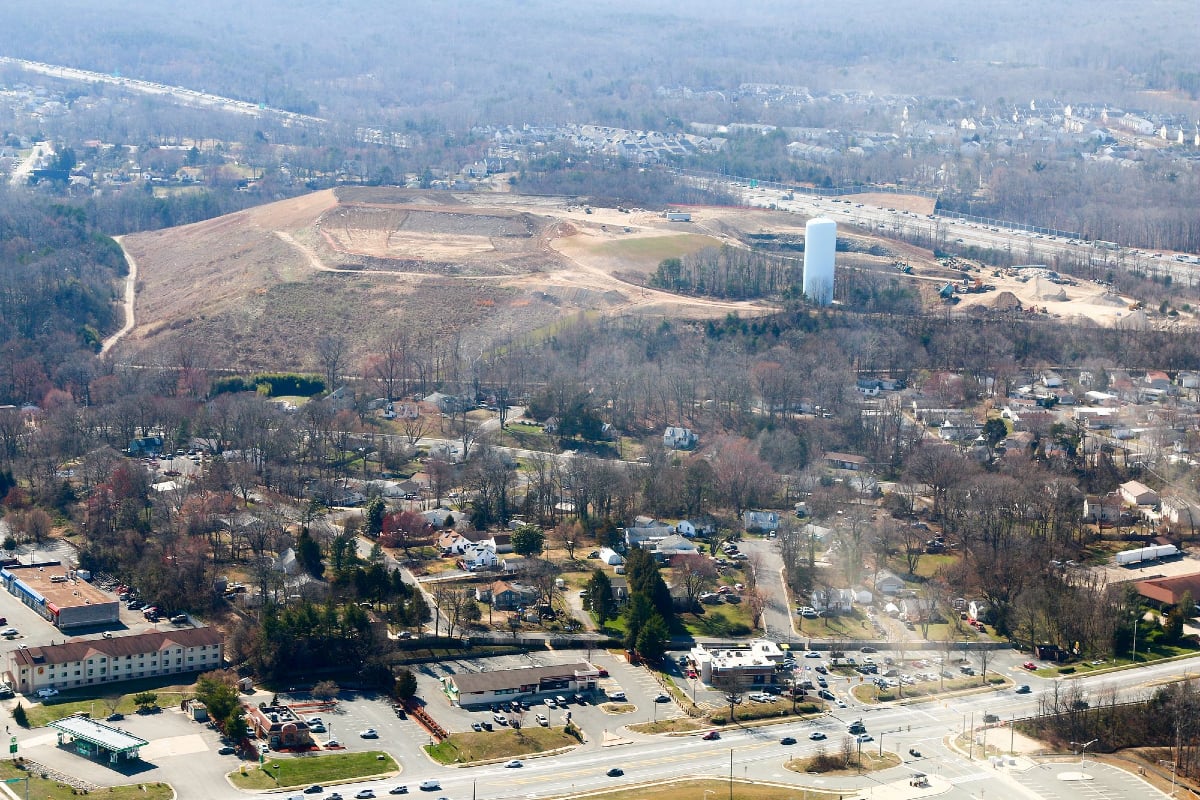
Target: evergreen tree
[599,597]
[308,553]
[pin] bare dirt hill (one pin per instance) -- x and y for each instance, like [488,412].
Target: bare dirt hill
[258,287]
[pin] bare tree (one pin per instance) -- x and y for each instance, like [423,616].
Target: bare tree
[331,354]
[695,573]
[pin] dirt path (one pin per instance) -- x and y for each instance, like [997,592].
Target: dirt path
[130,297]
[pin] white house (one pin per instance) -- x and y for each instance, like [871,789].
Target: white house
[863,596]
[453,543]
[611,557]
[763,521]
[838,600]
[677,438]
[692,527]
[479,556]
[437,517]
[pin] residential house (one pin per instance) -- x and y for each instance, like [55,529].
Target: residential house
[845,461]
[1157,379]
[1051,380]
[863,596]
[438,517]
[695,527]
[1102,508]
[620,590]
[646,532]
[506,596]
[867,387]
[452,543]
[837,601]
[1136,493]
[500,542]
[611,557]
[676,438]
[760,521]
[675,545]
[479,556]
[448,403]
[889,584]
[287,563]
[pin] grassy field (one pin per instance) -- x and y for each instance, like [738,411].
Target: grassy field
[101,706]
[690,790]
[646,252]
[722,620]
[292,772]
[676,725]
[465,748]
[53,790]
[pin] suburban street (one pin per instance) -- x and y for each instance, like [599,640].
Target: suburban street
[183,752]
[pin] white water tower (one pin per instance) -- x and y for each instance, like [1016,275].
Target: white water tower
[820,243]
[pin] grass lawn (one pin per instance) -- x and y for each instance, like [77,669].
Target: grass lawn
[690,790]
[865,692]
[676,725]
[464,748]
[871,762]
[53,790]
[853,625]
[307,770]
[778,709]
[99,706]
[647,251]
[724,620]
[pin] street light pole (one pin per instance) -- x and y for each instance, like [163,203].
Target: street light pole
[1083,746]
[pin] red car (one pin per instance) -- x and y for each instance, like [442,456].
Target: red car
[1029,665]
[711,735]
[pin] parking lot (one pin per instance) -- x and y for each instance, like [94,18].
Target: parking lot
[638,684]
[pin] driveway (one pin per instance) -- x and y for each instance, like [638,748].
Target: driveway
[777,619]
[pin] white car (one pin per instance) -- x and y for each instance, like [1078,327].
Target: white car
[620,696]
[47,692]
[369,733]
[10,632]
[514,764]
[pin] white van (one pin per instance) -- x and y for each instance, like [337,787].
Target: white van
[430,786]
